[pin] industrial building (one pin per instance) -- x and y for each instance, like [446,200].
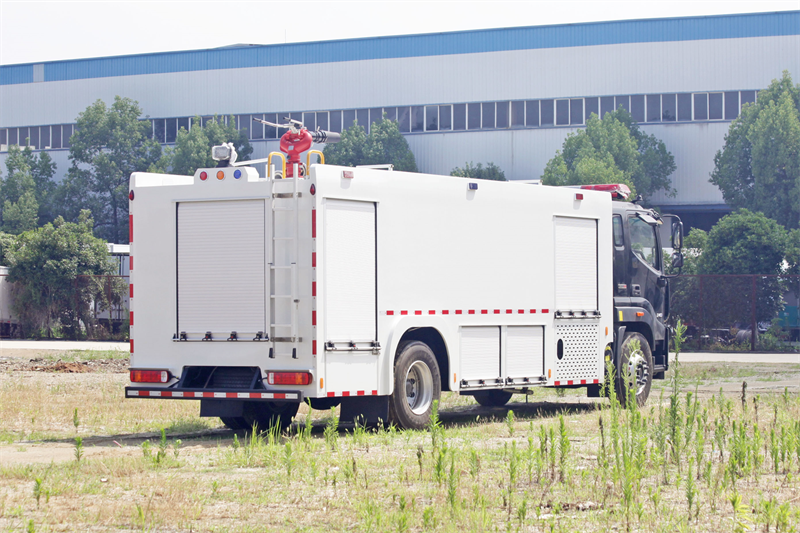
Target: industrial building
[508,96]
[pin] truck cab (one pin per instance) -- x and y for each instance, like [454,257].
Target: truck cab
[641,284]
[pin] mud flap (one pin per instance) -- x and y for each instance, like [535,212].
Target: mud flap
[365,410]
[221,408]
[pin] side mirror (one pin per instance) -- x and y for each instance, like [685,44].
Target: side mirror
[677,261]
[677,237]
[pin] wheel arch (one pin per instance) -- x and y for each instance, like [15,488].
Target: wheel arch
[435,341]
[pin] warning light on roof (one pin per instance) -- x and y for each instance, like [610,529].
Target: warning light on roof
[220,175]
[237,174]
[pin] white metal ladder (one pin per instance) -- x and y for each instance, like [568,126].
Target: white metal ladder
[292,300]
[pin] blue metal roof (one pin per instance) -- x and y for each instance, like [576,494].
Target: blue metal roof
[464,42]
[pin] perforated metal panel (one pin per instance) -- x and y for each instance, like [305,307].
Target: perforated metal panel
[582,353]
[221,265]
[349,271]
[480,353]
[524,351]
[576,264]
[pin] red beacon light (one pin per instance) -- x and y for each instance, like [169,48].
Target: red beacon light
[617,190]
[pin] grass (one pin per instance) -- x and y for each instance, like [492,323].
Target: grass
[685,462]
[76,356]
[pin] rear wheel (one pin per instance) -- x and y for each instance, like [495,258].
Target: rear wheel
[635,373]
[417,384]
[234,422]
[264,415]
[492,398]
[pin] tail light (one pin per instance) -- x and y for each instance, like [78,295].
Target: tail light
[150,376]
[288,378]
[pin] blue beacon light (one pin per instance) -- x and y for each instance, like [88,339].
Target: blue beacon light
[237,174]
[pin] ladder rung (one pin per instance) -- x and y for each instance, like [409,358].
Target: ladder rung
[283,238]
[280,296]
[282,267]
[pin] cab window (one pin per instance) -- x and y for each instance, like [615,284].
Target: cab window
[617,222]
[643,241]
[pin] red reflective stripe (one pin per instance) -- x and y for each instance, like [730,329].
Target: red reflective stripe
[533,311]
[231,394]
[166,394]
[206,395]
[557,383]
[360,393]
[596,381]
[375,393]
[131,290]
[331,394]
[131,345]
[583,382]
[346,393]
[417,312]
[521,311]
[279,396]
[313,223]
[144,393]
[130,229]
[313,318]
[545,311]
[497,311]
[131,321]
[313,259]
[569,382]
[403,312]
[130,263]
[509,311]
[484,311]
[471,311]
[313,347]
[445,312]
[313,288]
[431,312]
[389,313]
[458,311]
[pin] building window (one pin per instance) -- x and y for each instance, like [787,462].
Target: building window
[417,118]
[517,113]
[375,115]
[12,136]
[34,137]
[562,112]
[748,97]
[391,113]
[159,130]
[349,116]
[487,108]
[547,113]
[336,121]
[432,118]
[474,116]
[183,123]
[502,118]
[66,133]
[445,117]
[731,105]
[715,106]
[172,129]
[362,115]
[3,137]
[460,116]
[606,105]
[637,107]
[685,107]
[56,141]
[322,120]
[653,108]
[24,137]
[701,106]
[310,121]
[669,107]
[576,111]
[623,101]
[532,113]
[404,119]
[44,137]
[592,106]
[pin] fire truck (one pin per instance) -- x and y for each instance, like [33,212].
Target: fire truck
[375,290]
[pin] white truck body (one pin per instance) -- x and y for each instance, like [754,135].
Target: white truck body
[336,268]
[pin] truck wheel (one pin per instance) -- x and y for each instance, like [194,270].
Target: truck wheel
[417,384]
[492,398]
[635,369]
[264,415]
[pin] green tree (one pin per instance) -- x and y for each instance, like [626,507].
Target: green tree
[759,164]
[384,145]
[193,148]
[26,195]
[612,150]
[479,172]
[6,242]
[108,145]
[51,268]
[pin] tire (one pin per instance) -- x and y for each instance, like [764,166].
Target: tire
[417,384]
[234,422]
[264,415]
[492,398]
[635,369]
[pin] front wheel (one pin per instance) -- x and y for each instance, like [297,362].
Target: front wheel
[417,384]
[635,372]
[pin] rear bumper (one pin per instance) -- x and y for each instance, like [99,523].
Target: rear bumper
[195,394]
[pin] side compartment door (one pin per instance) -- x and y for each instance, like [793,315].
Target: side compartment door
[350,297]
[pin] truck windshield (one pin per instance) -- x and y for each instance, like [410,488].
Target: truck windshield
[643,241]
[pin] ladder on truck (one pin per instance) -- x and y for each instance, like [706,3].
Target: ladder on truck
[284,253]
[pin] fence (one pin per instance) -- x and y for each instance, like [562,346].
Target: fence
[738,312]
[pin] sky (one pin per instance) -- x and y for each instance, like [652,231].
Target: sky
[39,31]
